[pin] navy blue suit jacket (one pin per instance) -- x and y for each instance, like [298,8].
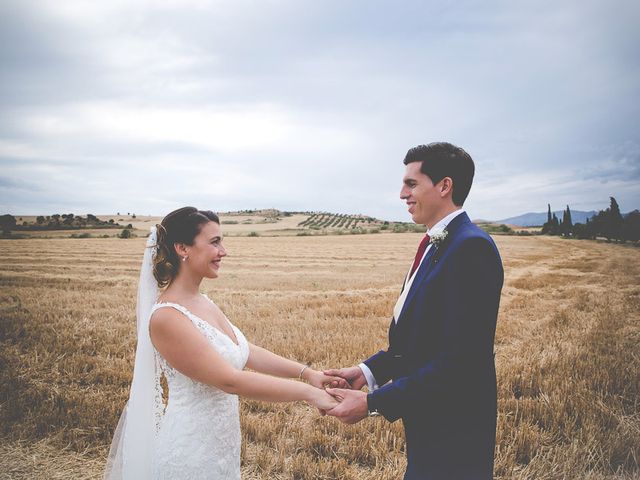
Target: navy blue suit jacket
[439,367]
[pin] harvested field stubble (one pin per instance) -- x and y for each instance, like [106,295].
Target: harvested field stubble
[567,352]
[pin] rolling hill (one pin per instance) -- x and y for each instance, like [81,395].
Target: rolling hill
[536,219]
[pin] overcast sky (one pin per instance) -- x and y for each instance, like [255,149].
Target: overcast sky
[145,106]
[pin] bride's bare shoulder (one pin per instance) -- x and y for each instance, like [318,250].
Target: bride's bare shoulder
[166,319]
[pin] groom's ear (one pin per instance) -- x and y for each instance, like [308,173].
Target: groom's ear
[446,186]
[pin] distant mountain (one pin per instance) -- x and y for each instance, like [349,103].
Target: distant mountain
[534,219]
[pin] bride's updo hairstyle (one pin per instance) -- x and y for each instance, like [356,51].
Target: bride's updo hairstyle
[180,226]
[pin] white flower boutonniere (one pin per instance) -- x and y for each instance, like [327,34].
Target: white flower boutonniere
[438,237]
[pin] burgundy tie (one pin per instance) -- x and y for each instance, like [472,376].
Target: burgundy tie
[421,248]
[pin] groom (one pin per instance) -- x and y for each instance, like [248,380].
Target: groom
[438,372]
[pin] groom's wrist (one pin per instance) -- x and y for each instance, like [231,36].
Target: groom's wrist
[368,377]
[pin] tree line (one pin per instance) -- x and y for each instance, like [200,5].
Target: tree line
[66,221]
[609,224]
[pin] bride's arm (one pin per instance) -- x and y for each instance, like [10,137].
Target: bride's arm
[264,361]
[187,350]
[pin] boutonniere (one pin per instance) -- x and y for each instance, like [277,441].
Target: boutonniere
[438,237]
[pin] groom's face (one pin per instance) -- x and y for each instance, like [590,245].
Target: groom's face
[421,195]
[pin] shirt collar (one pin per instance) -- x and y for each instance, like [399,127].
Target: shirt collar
[442,224]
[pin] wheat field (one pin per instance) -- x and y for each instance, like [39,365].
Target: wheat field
[567,352]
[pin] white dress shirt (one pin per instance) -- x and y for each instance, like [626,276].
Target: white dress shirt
[441,225]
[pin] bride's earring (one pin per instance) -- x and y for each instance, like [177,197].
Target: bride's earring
[184,259]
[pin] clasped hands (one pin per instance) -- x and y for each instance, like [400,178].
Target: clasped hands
[344,385]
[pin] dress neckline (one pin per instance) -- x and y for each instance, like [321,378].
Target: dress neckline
[216,329]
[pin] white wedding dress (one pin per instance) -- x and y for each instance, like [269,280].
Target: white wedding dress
[198,433]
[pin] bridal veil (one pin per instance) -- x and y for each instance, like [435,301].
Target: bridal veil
[131,453]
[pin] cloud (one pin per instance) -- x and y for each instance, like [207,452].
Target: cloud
[235,105]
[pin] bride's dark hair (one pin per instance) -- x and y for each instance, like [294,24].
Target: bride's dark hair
[180,226]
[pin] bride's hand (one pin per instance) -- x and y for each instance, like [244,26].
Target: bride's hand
[320,380]
[322,400]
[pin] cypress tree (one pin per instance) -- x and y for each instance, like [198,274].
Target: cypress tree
[613,221]
[555,225]
[567,224]
[547,228]
[631,227]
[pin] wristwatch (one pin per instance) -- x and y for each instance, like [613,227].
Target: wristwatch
[371,410]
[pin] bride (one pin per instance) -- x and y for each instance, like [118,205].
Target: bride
[191,430]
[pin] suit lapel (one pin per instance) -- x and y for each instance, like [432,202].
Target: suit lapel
[433,256]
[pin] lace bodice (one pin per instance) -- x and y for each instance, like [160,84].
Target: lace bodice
[198,426]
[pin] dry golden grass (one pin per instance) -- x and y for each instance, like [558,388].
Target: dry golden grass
[567,347]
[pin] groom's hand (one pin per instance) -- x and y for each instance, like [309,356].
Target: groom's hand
[352,407]
[322,380]
[353,375]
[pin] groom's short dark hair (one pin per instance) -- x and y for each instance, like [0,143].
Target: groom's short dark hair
[442,159]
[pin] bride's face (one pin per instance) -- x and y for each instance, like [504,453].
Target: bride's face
[207,251]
